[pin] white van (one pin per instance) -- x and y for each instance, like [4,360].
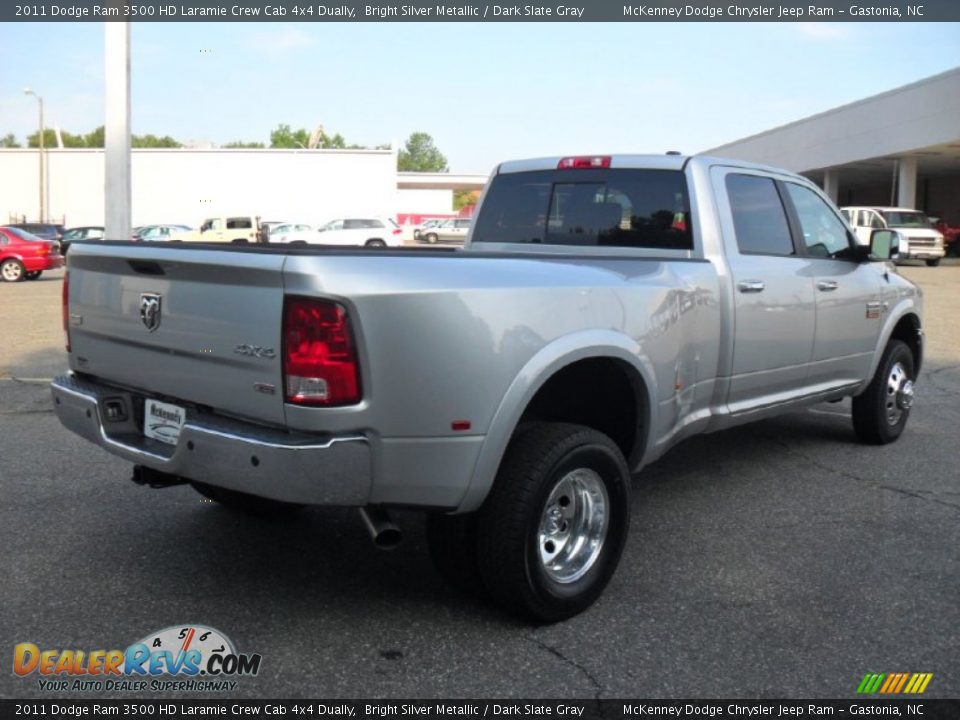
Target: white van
[923,242]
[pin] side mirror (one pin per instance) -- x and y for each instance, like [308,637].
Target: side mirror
[884,244]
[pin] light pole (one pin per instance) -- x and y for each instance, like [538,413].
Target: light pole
[28,91]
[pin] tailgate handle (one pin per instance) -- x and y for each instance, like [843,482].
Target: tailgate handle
[146,267]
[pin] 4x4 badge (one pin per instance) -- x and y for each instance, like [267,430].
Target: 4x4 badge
[150,310]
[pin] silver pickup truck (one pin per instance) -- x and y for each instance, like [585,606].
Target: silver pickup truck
[602,310]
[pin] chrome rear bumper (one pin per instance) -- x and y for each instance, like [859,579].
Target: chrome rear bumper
[312,469]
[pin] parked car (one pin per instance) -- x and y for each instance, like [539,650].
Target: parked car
[370,232]
[231,228]
[24,256]
[77,234]
[280,231]
[951,235]
[47,231]
[447,231]
[266,228]
[426,225]
[920,241]
[163,233]
[603,310]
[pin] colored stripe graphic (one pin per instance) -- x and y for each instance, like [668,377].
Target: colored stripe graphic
[870,683]
[891,682]
[894,683]
[919,684]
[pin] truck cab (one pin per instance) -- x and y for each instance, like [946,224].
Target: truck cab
[921,241]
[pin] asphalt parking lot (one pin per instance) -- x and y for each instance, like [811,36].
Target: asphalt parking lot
[774,560]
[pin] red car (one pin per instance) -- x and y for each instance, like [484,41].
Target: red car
[951,236]
[23,255]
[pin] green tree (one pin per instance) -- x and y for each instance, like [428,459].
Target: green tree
[337,141]
[242,144]
[9,141]
[419,154]
[95,138]
[50,139]
[462,198]
[152,141]
[285,137]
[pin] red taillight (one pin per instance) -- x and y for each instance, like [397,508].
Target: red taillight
[319,358]
[584,162]
[65,308]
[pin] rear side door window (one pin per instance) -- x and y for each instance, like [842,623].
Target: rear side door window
[759,217]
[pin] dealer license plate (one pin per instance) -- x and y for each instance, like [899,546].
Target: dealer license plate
[163,421]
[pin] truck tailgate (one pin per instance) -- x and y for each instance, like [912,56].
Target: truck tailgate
[190,324]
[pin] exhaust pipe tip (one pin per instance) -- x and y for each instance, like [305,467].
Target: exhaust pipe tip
[383,531]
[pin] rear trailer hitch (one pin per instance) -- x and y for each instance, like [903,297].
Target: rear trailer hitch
[143,475]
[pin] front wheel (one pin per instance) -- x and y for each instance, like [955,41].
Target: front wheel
[880,413]
[34,275]
[12,270]
[933,262]
[432,238]
[376,243]
[550,534]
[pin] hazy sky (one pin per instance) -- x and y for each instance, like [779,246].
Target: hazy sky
[484,92]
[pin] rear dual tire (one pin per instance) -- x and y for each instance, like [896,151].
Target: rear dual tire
[550,534]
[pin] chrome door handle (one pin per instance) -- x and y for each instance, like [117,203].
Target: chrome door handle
[751,286]
[826,285]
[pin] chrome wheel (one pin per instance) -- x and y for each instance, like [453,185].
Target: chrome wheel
[899,393]
[11,271]
[573,525]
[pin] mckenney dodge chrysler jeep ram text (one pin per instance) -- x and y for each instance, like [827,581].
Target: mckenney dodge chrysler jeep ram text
[603,309]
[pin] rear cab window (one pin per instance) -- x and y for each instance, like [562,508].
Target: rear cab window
[622,208]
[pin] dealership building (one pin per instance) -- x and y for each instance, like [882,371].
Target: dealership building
[901,147]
